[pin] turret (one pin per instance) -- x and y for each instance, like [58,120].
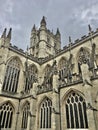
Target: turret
[58,37]
[43,39]
[33,36]
[4,33]
[5,39]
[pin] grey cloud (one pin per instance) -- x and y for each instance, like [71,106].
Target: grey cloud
[70,16]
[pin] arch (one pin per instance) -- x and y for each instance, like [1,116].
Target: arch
[43,98]
[6,114]
[47,69]
[33,67]
[62,62]
[24,103]
[72,90]
[15,57]
[75,107]
[82,54]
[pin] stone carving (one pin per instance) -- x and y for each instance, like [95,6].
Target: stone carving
[86,64]
[85,73]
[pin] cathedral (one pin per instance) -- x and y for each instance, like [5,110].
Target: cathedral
[46,87]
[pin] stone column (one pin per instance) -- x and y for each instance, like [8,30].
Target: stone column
[90,112]
[55,104]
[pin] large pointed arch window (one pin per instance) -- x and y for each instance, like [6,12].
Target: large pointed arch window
[76,116]
[12,76]
[6,115]
[45,113]
[26,109]
[32,73]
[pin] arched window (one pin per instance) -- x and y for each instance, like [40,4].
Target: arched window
[32,73]
[76,111]
[45,113]
[62,68]
[26,109]
[11,76]
[6,115]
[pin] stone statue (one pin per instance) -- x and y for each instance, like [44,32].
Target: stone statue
[85,73]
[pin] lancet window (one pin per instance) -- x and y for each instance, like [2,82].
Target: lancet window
[26,109]
[76,115]
[45,113]
[12,76]
[6,115]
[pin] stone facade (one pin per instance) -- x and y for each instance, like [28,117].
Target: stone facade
[47,87]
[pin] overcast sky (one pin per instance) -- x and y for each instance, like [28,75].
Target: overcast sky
[71,16]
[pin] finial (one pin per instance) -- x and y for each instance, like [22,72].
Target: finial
[34,28]
[57,32]
[4,33]
[90,29]
[43,21]
[69,39]
[70,42]
[9,33]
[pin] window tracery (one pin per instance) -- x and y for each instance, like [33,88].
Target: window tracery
[12,76]
[45,113]
[76,111]
[6,115]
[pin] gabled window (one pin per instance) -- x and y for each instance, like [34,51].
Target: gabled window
[76,116]
[11,76]
[45,113]
[6,115]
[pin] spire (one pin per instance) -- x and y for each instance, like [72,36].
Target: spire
[57,32]
[9,33]
[4,33]
[43,21]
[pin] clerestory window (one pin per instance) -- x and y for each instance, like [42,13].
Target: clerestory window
[11,76]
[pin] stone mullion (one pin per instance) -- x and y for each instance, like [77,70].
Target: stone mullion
[5,124]
[9,84]
[69,116]
[45,117]
[7,78]
[2,117]
[13,76]
[83,115]
[15,80]
[78,115]
[9,119]
[74,115]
